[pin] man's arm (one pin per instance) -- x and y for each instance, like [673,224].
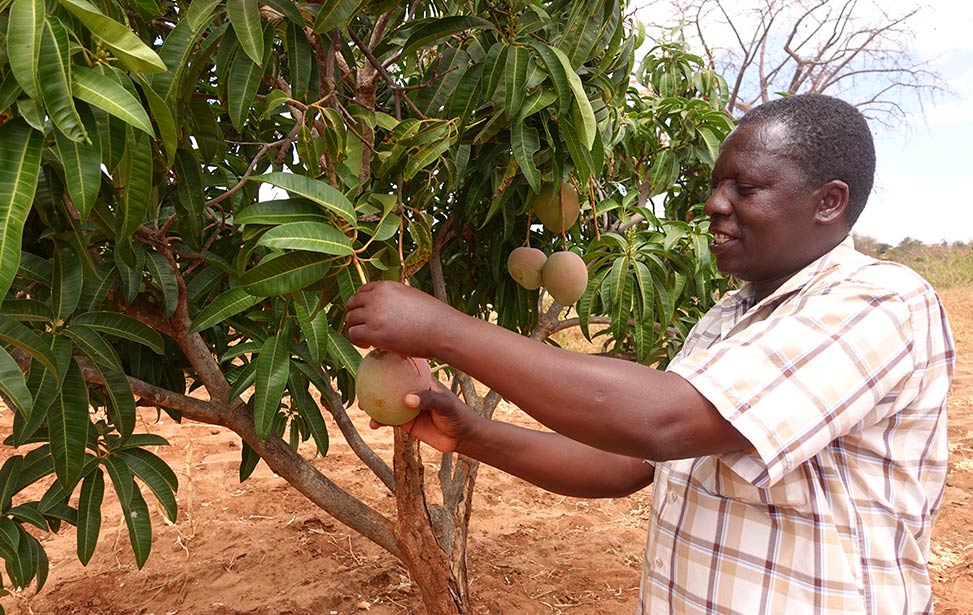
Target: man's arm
[612,405]
[548,460]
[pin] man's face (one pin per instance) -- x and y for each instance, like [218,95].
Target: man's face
[762,208]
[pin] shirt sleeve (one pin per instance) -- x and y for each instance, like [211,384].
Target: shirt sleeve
[813,372]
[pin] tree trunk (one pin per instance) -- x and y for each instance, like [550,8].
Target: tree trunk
[443,589]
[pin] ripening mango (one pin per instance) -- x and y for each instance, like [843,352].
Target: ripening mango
[565,277]
[383,380]
[557,207]
[524,265]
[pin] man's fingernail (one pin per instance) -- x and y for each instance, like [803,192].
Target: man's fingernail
[411,400]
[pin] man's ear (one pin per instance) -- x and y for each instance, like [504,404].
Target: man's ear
[833,203]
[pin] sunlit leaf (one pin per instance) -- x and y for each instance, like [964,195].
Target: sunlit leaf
[272,365]
[309,236]
[20,157]
[122,326]
[227,304]
[68,421]
[318,191]
[23,44]
[127,47]
[103,92]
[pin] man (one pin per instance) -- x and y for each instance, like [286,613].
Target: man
[797,444]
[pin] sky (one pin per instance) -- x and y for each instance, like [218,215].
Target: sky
[921,185]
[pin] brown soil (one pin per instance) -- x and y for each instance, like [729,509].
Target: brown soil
[261,548]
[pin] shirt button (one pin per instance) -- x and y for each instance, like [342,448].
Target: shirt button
[673,496]
[658,563]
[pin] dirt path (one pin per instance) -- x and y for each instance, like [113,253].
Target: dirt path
[260,548]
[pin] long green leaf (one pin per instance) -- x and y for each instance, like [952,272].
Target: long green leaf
[245,18]
[127,47]
[163,274]
[135,177]
[300,59]
[82,164]
[309,236]
[19,336]
[243,83]
[121,478]
[440,29]
[271,379]
[515,79]
[280,211]
[286,273]
[14,385]
[54,75]
[201,12]
[164,120]
[139,527]
[159,477]
[335,14]
[24,31]
[88,341]
[226,304]
[105,93]
[315,329]
[67,281]
[122,326]
[121,400]
[68,421]
[318,191]
[20,158]
[525,142]
[301,399]
[9,478]
[45,385]
[89,514]
[27,310]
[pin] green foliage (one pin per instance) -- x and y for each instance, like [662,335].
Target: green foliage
[224,175]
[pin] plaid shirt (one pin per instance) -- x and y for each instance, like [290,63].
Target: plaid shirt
[839,382]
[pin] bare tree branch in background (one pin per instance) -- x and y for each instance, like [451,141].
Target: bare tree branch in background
[853,49]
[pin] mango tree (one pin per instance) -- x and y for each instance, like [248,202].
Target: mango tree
[189,193]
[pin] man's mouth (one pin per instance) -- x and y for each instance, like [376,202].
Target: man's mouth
[720,238]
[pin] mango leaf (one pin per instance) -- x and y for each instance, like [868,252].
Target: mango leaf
[134,177]
[24,32]
[515,79]
[121,478]
[201,12]
[105,93]
[67,281]
[431,33]
[14,385]
[127,47]
[121,400]
[343,352]
[272,365]
[315,329]
[164,120]
[122,326]
[226,304]
[306,407]
[9,478]
[158,476]
[300,58]
[27,310]
[10,91]
[280,211]
[68,421]
[19,336]
[20,157]
[309,236]
[244,16]
[54,75]
[318,191]
[89,514]
[82,164]
[243,82]
[525,143]
[161,271]
[139,527]
[335,14]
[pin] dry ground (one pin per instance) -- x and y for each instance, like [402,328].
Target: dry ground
[260,548]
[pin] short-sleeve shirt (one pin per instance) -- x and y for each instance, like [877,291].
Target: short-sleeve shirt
[839,381]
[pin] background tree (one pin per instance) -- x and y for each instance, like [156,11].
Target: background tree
[189,193]
[858,50]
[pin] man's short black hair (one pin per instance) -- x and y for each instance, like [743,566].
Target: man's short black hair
[830,138]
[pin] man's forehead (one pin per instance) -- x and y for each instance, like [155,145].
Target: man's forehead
[760,135]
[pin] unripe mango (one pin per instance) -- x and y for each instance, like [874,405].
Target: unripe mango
[383,380]
[557,206]
[524,265]
[565,277]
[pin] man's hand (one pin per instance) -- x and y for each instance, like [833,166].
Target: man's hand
[443,421]
[398,318]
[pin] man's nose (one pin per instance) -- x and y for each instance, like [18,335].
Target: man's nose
[718,202]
